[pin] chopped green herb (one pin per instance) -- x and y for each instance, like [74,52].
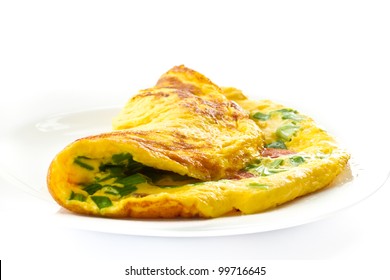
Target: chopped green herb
[102,201]
[287,113]
[276,145]
[132,180]
[258,186]
[111,190]
[266,171]
[126,190]
[286,110]
[275,170]
[285,132]
[292,116]
[114,170]
[92,188]
[276,163]
[82,164]
[83,157]
[118,158]
[77,196]
[122,165]
[133,167]
[297,160]
[261,116]
[122,191]
[105,177]
[251,166]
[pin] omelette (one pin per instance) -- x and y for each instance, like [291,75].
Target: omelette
[189,148]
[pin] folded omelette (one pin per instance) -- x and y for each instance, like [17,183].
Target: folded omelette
[188,148]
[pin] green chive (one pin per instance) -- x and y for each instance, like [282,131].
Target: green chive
[265,171]
[297,160]
[251,166]
[92,188]
[102,201]
[118,158]
[258,186]
[287,131]
[78,161]
[132,180]
[122,191]
[275,170]
[77,196]
[276,163]
[112,168]
[111,190]
[261,116]
[126,190]
[277,145]
[286,110]
[262,170]
[116,171]
[104,177]
[133,167]
[292,116]
[83,157]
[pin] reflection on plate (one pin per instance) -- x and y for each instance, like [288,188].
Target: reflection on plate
[29,149]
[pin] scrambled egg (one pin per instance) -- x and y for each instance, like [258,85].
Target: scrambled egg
[188,148]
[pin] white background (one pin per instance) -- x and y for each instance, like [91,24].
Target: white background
[334,54]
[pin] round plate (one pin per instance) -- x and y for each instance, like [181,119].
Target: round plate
[30,147]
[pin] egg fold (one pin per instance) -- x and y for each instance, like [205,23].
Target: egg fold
[184,126]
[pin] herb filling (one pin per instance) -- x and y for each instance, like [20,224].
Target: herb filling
[120,177]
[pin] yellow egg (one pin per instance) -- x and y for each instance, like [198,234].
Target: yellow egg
[188,148]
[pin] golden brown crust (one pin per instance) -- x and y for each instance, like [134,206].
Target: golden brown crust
[188,125]
[187,80]
[186,119]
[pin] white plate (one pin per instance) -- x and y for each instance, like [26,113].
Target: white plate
[29,148]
